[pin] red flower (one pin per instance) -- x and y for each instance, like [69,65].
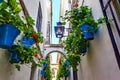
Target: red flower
[76,5]
[35,55]
[34,35]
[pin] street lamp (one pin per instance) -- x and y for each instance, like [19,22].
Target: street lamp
[59,30]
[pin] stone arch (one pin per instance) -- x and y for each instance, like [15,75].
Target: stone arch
[50,49]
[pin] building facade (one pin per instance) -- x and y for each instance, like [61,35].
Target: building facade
[40,11]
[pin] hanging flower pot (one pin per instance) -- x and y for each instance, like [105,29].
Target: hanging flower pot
[8,34]
[42,72]
[88,31]
[14,58]
[44,65]
[1,1]
[28,42]
[67,63]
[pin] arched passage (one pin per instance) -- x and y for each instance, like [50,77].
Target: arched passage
[53,48]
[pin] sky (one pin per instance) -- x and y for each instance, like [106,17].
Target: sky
[55,18]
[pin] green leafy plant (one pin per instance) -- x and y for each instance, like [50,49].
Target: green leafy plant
[9,13]
[48,74]
[30,33]
[63,70]
[81,15]
[76,41]
[41,62]
[74,60]
[26,55]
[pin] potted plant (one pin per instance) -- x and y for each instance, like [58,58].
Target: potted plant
[9,16]
[63,70]
[83,28]
[81,17]
[74,60]
[22,55]
[43,72]
[31,36]
[10,23]
[67,63]
[76,43]
[46,72]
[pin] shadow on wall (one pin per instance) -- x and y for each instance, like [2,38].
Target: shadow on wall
[6,69]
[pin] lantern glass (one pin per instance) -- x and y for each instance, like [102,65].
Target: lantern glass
[59,30]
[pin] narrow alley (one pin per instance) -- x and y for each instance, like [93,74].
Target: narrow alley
[59,39]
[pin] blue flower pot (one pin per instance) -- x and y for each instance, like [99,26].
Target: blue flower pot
[28,42]
[44,65]
[67,63]
[88,31]
[1,1]
[8,34]
[14,57]
[42,72]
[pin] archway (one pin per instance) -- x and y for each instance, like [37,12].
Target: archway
[53,48]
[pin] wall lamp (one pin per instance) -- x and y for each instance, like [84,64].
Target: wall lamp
[59,30]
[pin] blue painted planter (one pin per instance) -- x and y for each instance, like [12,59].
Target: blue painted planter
[28,42]
[44,65]
[1,1]
[42,72]
[67,63]
[88,31]
[8,34]
[14,58]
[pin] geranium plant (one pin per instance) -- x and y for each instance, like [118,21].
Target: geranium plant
[76,43]
[26,55]
[63,70]
[9,13]
[80,15]
[29,31]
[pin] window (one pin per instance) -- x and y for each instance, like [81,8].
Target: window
[47,41]
[39,19]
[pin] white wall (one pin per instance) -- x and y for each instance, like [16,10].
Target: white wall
[9,72]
